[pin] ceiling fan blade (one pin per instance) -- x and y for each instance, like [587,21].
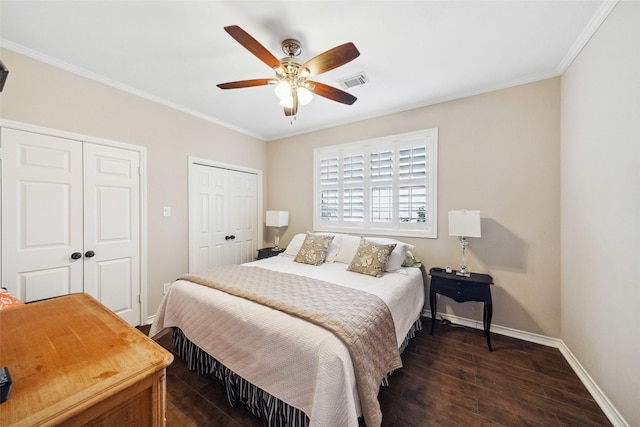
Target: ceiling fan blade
[332,93]
[331,59]
[252,45]
[245,83]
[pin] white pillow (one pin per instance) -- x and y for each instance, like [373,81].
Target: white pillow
[398,255]
[348,248]
[296,243]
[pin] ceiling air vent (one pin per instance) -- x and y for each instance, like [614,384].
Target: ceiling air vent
[356,80]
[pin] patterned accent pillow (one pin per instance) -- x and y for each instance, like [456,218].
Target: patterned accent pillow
[398,255]
[371,258]
[314,249]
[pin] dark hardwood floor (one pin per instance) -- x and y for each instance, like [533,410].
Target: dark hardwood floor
[448,379]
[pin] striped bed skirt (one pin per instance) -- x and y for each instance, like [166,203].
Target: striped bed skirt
[273,411]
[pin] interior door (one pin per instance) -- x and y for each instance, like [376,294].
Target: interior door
[223,217]
[207,217]
[71,220]
[112,229]
[242,216]
[41,215]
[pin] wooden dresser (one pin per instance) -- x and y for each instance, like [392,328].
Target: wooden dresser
[74,362]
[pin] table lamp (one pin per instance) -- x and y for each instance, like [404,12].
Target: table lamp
[464,223]
[277,219]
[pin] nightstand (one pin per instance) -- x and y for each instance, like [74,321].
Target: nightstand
[269,252]
[461,289]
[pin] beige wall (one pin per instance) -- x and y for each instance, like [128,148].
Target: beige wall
[43,95]
[499,153]
[496,153]
[600,187]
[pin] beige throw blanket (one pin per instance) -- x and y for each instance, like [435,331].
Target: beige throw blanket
[361,320]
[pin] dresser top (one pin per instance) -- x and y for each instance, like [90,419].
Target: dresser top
[66,353]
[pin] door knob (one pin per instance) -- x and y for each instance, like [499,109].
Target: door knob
[76,255]
[232,237]
[89,254]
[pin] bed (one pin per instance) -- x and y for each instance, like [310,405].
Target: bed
[286,369]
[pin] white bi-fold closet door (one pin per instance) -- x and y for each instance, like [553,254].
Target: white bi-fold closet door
[71,220]
[223,216]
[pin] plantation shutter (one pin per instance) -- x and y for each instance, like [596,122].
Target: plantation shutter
[382,186]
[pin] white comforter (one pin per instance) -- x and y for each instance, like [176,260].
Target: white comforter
[300,363]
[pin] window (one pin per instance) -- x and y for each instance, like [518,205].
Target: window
[380,186]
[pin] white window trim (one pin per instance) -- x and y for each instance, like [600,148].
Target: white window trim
[431,137]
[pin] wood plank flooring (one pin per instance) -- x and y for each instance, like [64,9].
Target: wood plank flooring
[448,379]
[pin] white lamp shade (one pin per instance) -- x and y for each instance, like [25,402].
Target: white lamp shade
[464,223]
[304,95]
[283,89]
[286,102]
[277,218]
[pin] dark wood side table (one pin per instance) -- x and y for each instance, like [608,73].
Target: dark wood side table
[461,289]
[269,252]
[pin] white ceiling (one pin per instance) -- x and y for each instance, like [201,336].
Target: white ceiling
[415,53]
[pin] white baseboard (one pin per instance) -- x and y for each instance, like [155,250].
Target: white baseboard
[605,404]
[150,319]
[601,399]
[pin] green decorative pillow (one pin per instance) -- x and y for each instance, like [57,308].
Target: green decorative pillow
[411,261]
[371,258]
[314,249]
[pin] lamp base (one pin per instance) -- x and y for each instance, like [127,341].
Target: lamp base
[463,272]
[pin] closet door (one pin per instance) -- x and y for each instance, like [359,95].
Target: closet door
[242,216]
[222,218]
[112,229]
[71,220]
[42,247]
[207,186]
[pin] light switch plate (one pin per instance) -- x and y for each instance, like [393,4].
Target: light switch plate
[166,211]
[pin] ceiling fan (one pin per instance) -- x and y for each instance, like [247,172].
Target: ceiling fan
[291,84]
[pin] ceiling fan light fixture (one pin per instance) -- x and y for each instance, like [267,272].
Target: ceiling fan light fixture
[283,89]
[286,102]
[304,73]
[304,95]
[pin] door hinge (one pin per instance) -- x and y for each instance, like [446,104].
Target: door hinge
[140,298]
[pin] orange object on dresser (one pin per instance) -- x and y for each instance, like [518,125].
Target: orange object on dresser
[74,362]
[7,300]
